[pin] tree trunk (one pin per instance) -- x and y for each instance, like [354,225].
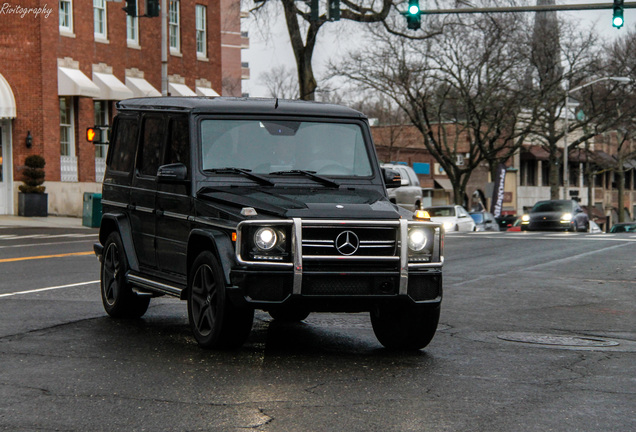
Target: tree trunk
[554,177]
[620,185]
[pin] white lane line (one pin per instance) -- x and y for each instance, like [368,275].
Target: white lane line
[48,288]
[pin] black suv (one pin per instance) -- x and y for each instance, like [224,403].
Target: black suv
[242,204]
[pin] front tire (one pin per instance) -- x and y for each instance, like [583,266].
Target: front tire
[405,327]
[214,320]
[117,296]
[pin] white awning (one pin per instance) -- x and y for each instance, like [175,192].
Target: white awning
[73,82]
[7,101]
[180,90]
[141,88]
[206,91]
[444,184]
[110,87]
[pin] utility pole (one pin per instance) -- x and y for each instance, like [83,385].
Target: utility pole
[164,47]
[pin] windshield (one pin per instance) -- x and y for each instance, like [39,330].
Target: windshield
[278,146]
[441,211]
[477,217]
[552,206]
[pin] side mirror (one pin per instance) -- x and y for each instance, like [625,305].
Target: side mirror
[172,173]
[392,178]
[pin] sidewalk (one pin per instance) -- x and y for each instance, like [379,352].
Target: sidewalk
[41,222]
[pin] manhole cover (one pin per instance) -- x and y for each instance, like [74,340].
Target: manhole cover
[558,340]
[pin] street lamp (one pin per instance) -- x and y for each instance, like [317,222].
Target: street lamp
[566,178]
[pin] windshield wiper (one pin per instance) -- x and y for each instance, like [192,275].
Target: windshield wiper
[311,174]
[246,172]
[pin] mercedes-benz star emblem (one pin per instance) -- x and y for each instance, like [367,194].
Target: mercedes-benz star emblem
[347,243]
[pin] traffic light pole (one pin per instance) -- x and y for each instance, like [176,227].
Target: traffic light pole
[164,47]
[542,8]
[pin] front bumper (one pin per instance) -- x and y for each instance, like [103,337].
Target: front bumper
[342,283]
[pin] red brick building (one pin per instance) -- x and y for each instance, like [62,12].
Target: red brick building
[63,66]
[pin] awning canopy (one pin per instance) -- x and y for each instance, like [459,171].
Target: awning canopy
[110,87]
[206,91]
[176,89]
[534,152]
[141,88]
[7,101]
[444,184]
[73,82]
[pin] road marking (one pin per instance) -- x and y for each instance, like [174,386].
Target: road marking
[45,256]
[48,288]
[43,236]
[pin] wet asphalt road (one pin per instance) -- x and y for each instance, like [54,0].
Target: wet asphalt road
[538,333]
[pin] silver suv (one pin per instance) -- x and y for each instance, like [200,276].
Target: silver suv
[409,195]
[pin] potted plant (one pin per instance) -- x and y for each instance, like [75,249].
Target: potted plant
[32,201]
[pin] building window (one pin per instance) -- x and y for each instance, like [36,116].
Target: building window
[101,119]
[99,18]
[528,173]
[173,24]
[67,136]
[132,29]
[201,25]
[66,16]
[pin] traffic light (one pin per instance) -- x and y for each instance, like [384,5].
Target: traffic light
[333,10]
[413,15]
[131,8]
[97,134]
[617,18]
[152,8]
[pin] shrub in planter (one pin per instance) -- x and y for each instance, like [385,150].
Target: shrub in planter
[32,201]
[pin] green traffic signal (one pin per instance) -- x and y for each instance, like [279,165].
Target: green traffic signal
[617,18]
[413,15]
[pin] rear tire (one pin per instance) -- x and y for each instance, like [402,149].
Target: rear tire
[405,327]
[214,320]
[117,296]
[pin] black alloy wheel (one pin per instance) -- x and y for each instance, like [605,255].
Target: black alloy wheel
[117,296]
[214,320]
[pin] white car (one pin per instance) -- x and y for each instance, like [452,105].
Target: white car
[453,217]
[409,195]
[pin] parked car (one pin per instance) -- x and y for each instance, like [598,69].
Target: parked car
[409,194]
[484,221]
[452,217]
[623,227]
[556,215]
[238,204]
[506,221]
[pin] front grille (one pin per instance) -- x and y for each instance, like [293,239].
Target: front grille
[349,285]
[349,240]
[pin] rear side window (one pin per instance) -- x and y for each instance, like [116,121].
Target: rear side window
[124,144]
[178,148]
[152,138]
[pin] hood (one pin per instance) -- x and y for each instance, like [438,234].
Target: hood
[317,203]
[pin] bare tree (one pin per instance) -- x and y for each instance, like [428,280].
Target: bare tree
[303,30]
[281,82]
[462,90]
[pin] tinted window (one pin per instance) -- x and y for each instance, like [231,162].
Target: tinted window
[441,211]
[178,148]
[123,146]
[152,138]
[269,146]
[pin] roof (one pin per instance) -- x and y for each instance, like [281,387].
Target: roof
[228,105]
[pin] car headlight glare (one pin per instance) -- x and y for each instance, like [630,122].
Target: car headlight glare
[567,217]
[525,218]
[417,240]
[448,226]
[265,238]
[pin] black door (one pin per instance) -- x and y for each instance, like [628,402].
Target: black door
[174,203]
[144,188]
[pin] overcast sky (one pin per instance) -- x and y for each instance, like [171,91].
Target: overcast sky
[271,48]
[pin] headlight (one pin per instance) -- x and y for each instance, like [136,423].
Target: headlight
[567,217]
[448,226]
[417,240]
[525,218]
[265,238]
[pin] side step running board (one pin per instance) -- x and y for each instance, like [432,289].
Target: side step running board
[154,286]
